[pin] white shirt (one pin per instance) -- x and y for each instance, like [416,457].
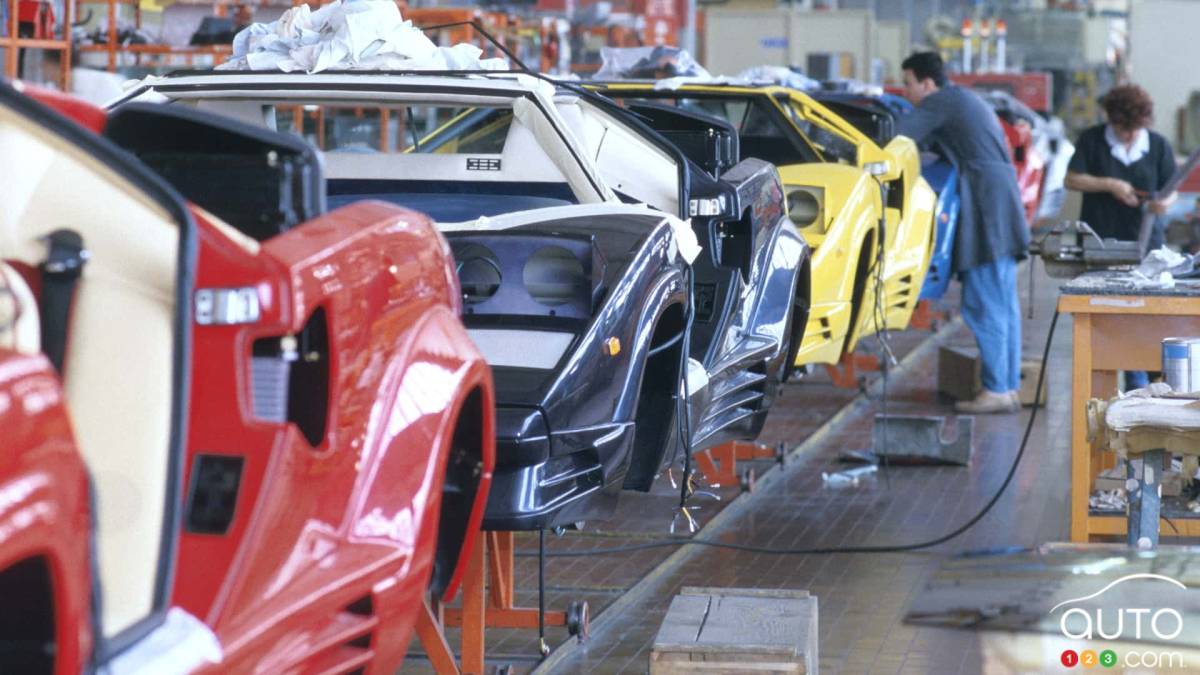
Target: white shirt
[1127,154]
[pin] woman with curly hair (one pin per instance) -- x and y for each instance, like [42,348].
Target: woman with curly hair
[1120,166]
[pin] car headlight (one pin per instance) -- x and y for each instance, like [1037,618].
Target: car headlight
[805,207]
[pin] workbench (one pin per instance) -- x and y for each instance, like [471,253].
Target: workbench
[1118,326]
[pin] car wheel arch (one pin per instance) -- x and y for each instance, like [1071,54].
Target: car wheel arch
[466,464]
[865,259]
[657,382]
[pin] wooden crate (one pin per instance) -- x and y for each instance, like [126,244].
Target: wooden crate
[737,630]
[959,374]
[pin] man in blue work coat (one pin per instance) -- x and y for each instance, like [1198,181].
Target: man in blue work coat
[992,233]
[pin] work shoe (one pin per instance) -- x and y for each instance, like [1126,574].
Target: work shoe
[987,402]
[1016,400]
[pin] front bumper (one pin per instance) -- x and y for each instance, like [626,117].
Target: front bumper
[545,480]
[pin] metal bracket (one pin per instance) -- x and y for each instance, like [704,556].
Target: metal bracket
[918,439]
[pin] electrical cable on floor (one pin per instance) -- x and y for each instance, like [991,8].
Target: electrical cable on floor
[895,548]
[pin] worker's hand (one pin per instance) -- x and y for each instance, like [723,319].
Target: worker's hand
[1123,192]
[1157,207]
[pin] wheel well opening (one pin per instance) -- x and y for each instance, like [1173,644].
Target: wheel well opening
[656,400]
[27,640]
[802,305]
[862,270]
[464,464]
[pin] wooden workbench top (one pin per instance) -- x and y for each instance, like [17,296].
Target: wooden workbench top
[1124,283]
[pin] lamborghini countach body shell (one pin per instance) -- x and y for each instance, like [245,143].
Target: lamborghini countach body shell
[573,293]
[877,117]
[835,178]
[292,444]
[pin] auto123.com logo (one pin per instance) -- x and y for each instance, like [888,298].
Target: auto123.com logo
[1086,620]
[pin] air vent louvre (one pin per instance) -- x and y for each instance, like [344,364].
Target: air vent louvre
[212,499]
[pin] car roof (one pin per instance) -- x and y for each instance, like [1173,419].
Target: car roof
[503,83]
[717,85]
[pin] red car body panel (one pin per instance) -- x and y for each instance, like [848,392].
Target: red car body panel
[296,561]
[1030,166]
[44,505]
[330,542]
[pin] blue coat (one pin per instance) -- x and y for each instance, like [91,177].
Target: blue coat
[992,220]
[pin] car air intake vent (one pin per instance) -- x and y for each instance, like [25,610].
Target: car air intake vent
[290,378]
[706,301]
[212,499]
[269,380]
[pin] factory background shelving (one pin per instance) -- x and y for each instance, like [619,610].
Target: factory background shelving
[30,25]
[154,56]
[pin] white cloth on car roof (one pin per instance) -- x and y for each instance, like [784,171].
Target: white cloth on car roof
[348,35]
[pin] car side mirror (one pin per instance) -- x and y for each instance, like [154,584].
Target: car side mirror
[720,152]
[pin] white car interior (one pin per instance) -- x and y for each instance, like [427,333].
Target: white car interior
[454,155]
[118,382]
[629,164]
[402,148]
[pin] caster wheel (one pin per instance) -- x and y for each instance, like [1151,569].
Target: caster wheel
[506,669]
[748,480]
[781,451]
[579,618]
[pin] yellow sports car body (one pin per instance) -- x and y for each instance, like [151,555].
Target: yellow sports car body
[851,199]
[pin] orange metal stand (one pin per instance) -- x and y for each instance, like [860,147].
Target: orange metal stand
[719,464]
[500,611]
[487,602]
[925,317]
[845,373]
[433,620]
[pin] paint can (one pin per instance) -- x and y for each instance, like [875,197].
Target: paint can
[1181,363]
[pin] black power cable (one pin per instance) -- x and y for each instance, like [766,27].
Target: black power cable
[879,316]
[895,548]
[683,410]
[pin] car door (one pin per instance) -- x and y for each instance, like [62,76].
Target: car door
[126,354]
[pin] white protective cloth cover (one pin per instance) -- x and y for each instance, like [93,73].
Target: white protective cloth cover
[1149,407]
[687,246]
[348,35]
[1149,419]
[780,75]
[641,63]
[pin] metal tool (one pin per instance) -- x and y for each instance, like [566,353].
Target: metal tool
[1072,247]
[1149,217]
